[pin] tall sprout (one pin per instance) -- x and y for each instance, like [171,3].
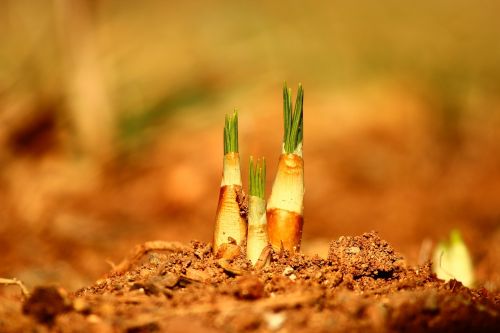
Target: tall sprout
[230,222]
[257,222]
[286,204]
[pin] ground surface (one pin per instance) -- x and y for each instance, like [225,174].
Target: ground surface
[363,286]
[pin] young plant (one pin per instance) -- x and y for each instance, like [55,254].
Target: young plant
[451,260]
[285,206]
[230,223]
[257,223]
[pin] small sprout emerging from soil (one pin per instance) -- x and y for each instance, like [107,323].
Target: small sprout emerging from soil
[231,212]
[286,204]
[257,222]
[451,260]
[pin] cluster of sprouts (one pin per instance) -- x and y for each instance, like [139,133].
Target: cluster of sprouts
[279,222]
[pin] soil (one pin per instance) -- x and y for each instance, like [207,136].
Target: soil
[363,285]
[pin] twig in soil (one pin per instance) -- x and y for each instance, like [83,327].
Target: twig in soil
[17,282]
[142,249]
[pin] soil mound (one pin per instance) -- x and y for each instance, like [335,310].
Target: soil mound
[365,255]
[363,286]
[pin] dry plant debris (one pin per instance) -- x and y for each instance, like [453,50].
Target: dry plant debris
[18,283]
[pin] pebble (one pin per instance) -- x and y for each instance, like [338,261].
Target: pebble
[197,275]
[287,271]
[274,321]
[353,250]
[80,305]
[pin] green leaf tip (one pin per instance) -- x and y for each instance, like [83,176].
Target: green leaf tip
[452,260]
[231,133]
[455,237]
[293,120]
[257,177]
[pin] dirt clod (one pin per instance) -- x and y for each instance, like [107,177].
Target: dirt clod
[46,303]
[249,287]
[365,255]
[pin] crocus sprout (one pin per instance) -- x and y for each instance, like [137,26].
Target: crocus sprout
[257,223]
[286,203]
[230,222]
[451,260]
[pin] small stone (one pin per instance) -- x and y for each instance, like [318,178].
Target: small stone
[287,271]
[293,277]
[333,279]
[148,288]
[169,280]
[197,275]
[80,305]
[353,250]
[274,321]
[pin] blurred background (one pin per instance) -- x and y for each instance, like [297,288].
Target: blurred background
[111,116]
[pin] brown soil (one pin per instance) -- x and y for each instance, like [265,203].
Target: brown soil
[363,286]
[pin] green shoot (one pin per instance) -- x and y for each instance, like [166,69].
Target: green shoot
[257,177]
[293,121]
[452,260]
[231,133]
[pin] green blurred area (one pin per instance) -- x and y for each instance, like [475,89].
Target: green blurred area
[156,57]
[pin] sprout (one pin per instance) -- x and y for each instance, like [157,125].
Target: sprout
[230,223]
[257,222]
[451,260]
[286,203]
